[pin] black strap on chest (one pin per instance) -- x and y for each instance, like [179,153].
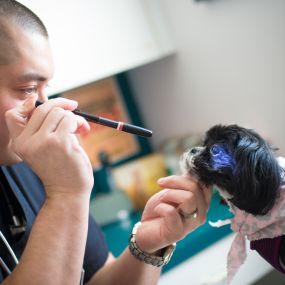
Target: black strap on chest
[13,222]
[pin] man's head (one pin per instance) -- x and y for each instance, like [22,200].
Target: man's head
[12,14]
[26,63]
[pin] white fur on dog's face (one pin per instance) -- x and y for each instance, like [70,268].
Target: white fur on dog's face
[187,165]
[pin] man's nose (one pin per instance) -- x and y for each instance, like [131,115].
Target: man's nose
[42,96]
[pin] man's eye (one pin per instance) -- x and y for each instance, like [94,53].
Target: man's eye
[30,90]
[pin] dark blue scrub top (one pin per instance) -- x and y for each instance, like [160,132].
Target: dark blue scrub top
[30,194]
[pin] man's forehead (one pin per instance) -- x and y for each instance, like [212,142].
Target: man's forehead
[8,45]
[26,55]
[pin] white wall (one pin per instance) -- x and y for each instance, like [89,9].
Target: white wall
[229,68]
[101,38]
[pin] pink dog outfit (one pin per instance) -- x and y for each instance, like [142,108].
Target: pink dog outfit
[264,232]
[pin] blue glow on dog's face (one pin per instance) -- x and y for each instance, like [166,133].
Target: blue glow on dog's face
[221,158]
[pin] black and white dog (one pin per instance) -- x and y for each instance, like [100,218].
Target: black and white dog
[240,163]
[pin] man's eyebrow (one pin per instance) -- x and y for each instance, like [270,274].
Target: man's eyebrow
[32,77]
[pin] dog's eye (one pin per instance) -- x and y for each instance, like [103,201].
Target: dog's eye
[215,150]
[194,150]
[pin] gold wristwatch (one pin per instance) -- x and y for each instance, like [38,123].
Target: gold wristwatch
[146,257]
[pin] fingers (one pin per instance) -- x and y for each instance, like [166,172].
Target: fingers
[64,122]
[190,197]
[176,181]
[43,110]
[178,197]
[162,217]
[186,183]
[187,201]
[71,123]
[207,192]
[53,115]
[17,117]
[172,219]
[201,207]
[52,120]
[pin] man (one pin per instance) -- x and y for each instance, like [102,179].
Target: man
[51,230]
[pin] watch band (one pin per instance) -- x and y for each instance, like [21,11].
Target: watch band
[154,260]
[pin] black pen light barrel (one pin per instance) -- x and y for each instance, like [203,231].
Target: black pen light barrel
[121,126]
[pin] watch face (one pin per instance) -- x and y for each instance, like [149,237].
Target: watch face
[168,253]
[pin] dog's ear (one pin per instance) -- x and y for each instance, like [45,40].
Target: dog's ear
[215,166]
[256,178]
[221,166]
[221,158]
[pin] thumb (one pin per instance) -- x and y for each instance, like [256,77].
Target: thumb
[18,117]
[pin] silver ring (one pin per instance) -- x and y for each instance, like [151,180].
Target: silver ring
[185,215]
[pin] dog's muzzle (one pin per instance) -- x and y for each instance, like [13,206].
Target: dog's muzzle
[188,158]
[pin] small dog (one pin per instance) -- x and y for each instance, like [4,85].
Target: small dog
[250,179]
[240,163]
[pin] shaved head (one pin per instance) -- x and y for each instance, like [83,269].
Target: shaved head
[15,17]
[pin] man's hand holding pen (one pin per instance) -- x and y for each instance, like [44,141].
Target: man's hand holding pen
[45,138]
[120,126]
